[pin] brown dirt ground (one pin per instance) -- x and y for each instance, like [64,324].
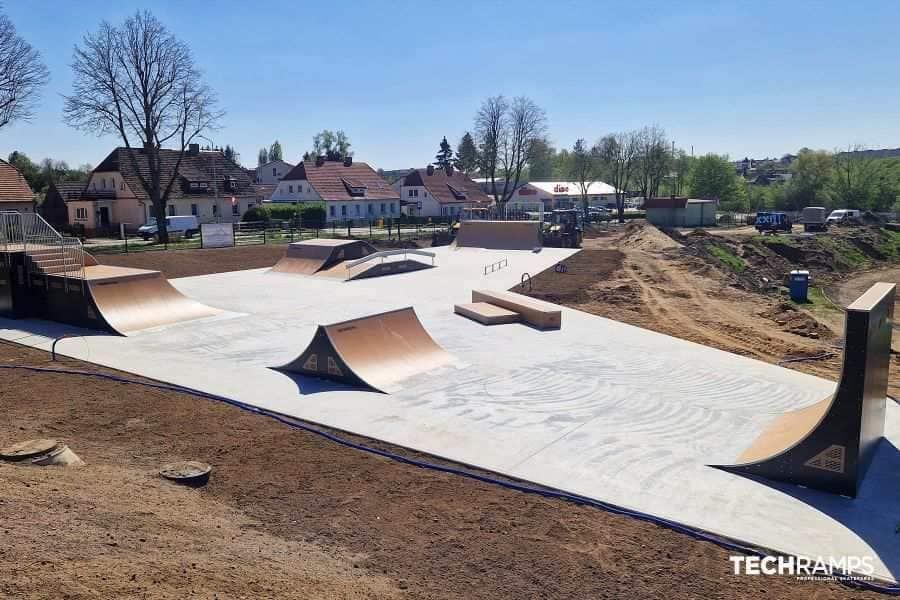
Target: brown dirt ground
[643,277]
[289,515]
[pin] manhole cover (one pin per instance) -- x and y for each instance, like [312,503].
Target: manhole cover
[30,449]
[189,472]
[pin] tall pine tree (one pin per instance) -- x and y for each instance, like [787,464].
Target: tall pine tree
[466,155]
[444,157]
[263,157]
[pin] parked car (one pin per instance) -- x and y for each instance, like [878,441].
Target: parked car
[773,221]
[814,218]
[599,213]
[843,216]
[186,225]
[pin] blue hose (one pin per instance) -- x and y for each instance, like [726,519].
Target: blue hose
[693,532]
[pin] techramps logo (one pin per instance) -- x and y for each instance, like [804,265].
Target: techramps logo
[845,568]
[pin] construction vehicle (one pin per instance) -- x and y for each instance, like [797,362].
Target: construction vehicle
[562,228]
[813,218]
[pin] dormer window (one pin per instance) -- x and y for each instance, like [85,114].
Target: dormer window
[457,193]
[355,187]
[199,186]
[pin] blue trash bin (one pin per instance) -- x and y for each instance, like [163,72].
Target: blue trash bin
[799,286]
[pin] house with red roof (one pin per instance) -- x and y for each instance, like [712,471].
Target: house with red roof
[431,192]
[15,193]
[349,189]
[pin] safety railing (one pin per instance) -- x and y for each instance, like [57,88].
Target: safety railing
[47,250]
[381,256]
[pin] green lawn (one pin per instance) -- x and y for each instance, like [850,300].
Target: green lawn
[732,261]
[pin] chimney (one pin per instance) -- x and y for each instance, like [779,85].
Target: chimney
[320,160]
[193,149]
[429,170]
[348,160]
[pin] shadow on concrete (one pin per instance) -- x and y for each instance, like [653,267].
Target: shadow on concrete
[314,385]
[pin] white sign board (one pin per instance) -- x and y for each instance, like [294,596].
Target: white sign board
[217,235]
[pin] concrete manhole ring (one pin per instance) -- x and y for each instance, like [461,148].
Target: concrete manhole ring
[30,449]
[188,472]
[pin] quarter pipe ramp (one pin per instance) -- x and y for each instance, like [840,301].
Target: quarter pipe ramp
[376,352]
[829,445]
[499,235]
[128,300]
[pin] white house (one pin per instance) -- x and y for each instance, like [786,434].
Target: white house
[562,194]
[349,190]
[431,192]
[272,172]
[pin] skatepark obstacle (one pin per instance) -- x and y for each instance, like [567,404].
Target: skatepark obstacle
[829,445]
[492,307]
[376,351]
[44,275]
[349,259]
[499,235]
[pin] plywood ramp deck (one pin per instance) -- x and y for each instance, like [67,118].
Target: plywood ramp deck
[534,312]
[487,314]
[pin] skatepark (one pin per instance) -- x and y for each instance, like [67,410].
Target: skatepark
[593,407]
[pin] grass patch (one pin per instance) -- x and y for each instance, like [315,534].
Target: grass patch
[846,256]
[889,244]
[733,262]
[819,304]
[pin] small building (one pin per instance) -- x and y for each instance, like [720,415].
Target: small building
[350,190]
[561,194]
[15,193]
[681,212]
[272,172]
[432,192]
[208,186]
[54,208]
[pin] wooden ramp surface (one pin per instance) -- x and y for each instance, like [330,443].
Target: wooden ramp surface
[129,300]
[499,235]
[485,313]
[534,312]
[377,351]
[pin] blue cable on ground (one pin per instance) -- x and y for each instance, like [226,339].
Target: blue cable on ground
[511,485]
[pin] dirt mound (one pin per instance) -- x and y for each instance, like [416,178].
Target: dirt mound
[642,236]
[789,319]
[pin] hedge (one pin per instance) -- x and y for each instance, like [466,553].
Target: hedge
[306,215]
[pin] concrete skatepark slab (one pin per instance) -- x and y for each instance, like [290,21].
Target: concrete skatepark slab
[597,408]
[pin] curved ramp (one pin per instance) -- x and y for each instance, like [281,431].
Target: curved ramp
[499,235]
[128,300]
[311,256]
[829,445]
[376,352]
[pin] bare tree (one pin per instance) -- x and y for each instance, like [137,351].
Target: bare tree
[506,131]
[617,153]
[22,74]
[653,160]
[139,82]
[585,169]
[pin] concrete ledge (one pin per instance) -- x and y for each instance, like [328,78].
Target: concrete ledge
[486,314]
[542,315]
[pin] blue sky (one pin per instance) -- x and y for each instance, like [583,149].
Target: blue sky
[736,78]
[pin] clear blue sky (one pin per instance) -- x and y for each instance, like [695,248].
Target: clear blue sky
[743,79]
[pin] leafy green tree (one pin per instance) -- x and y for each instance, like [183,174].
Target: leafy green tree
[812,176]
[263,157]
[467,155]
[713,176]
[585,167]
[333,145]
[541,157]
[444,157]
[275,152]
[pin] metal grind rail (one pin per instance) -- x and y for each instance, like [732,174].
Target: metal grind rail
[496,266]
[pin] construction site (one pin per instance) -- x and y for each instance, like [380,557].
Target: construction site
[616,416]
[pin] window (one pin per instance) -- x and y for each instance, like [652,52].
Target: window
[171,210]
[393,208]
[343,210]
[382,208]
[273,172]
[371,209]
[331,210]
[81,214]
[290,189]
[194,210]
[358,211]
[215,210]
[413,193]
[235,209]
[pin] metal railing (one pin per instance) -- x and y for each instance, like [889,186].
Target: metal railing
[496,266]
[41,243]
[351,265]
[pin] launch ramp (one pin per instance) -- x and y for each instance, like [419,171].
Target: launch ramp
[376,351]
[828,445]
[311,256]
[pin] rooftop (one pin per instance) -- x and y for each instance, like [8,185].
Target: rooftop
[13,186]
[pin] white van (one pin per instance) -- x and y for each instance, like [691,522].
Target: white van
[843,215]
[185,225]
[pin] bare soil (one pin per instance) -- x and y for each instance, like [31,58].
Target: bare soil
[287,514]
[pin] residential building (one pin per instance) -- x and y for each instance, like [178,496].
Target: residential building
[681,212]
[561,194]
[15,193]
[272,172]
[432,192]
[349,189]
[54,208]
[208,186]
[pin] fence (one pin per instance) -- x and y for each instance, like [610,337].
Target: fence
[285,232]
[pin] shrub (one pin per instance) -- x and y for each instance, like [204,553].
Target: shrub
[256,213]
